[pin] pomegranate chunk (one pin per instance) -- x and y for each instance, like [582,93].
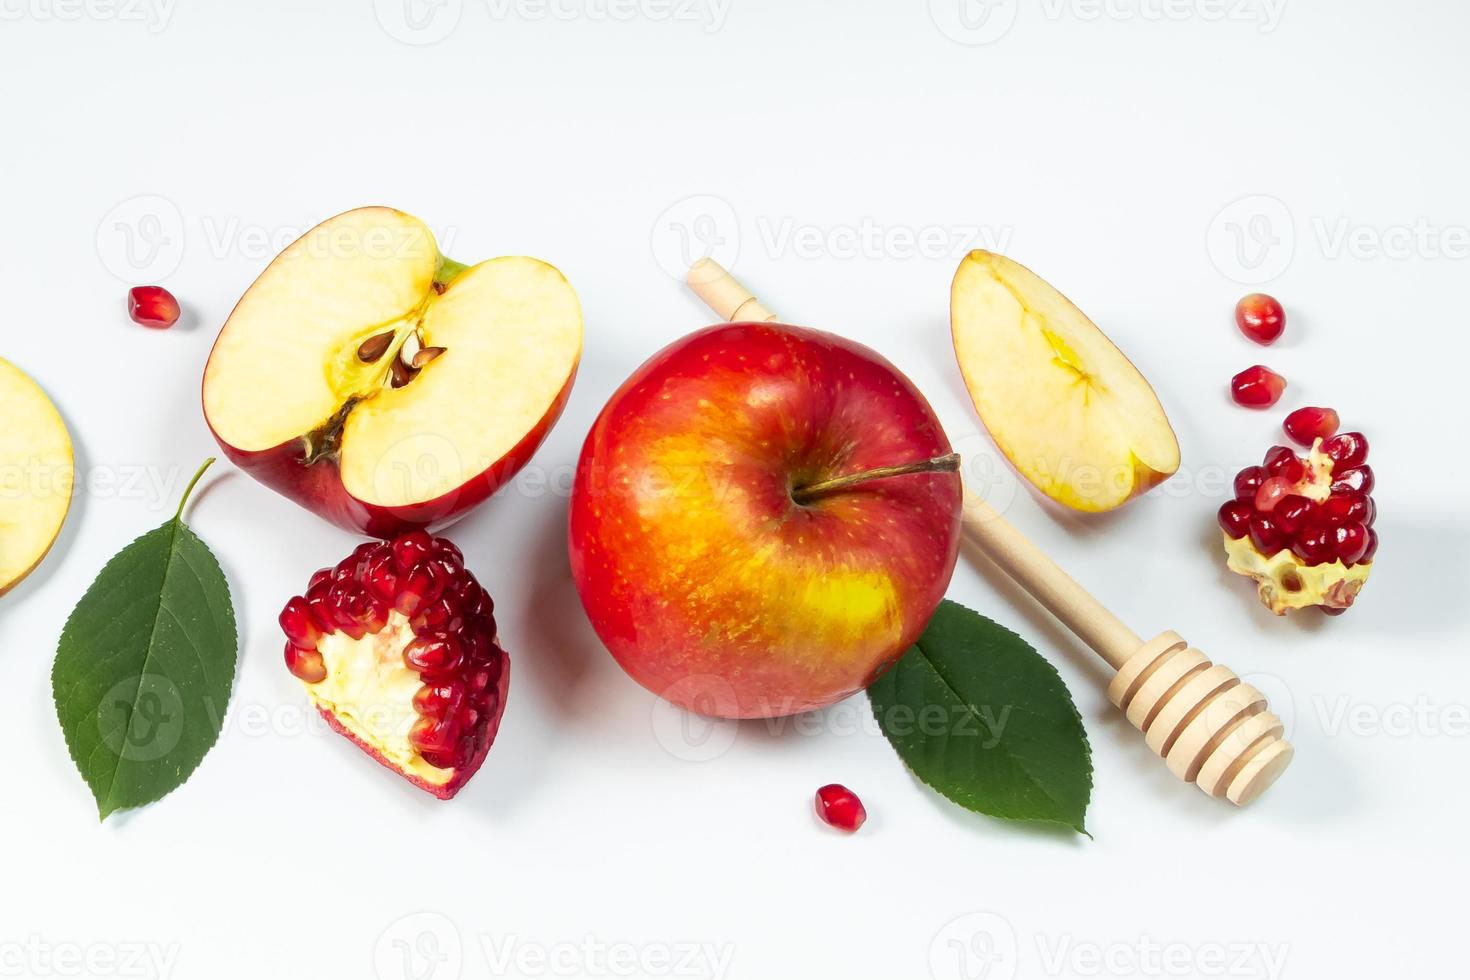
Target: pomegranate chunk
[398,648]
[1307,425]
[153,306]
[1260,317]
[1302,527]
[840,807]
[1257,387]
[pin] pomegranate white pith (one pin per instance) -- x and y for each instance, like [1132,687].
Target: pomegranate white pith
[398,650]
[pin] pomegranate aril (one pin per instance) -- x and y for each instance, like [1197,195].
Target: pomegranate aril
[1257,387]
[1347,508]
[1306,425]
[1315,546]
[1358,479]
[840,807]
[444,548]
[441,615]
[1350,541]
[1277,459]
[432,699]
[420,588]
[1346,449]
[1260,317]
[1266,536]
[1372,548]
[411,549]
[322,577]
[153,306]
[381,579]
[308,665]
[1272,492]
[1248,481]
[298,625]
[323,613]
[436,654]
[432,735]
[1294,514]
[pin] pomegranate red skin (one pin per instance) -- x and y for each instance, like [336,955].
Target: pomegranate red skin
[318,487]
[463,773]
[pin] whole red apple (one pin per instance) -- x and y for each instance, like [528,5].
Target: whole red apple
[715,557]
[384,386]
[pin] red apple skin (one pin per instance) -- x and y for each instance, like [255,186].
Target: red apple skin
[704,579]
[318,487]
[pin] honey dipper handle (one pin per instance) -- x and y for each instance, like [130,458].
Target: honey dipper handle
[724,294]
[1048,584]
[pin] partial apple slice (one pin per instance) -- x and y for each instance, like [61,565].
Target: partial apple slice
[36,475]
[1064,405]
[384,386]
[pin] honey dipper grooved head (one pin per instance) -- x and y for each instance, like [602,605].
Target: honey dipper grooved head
[1209,727]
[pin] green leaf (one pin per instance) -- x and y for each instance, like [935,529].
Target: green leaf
[145,665]
[981,717]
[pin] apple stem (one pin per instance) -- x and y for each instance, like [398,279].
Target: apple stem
[939,464]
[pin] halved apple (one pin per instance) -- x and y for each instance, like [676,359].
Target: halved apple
[36,475]
[1064,405]
[383,386]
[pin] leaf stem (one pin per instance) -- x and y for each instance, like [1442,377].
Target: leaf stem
[939,464]
[178,514]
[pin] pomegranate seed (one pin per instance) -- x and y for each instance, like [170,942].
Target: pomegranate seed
[380,579]
[1358,479]
[1349,542]
[1306,425]
[411,549]
[436,654]
[1348,508]
[1266,536]
[432,699]
[298,625]
[1315,546]
[1277,458]
[1372,548]
[322,612]
[1347,449]
[839,807]
[421,587]
[432,735]
[306,664]
[322,576]
[153,306]
[1272,492]
[1257,387]
[1260,317]
[1248,481]
[1294,514]
[444,548]
[1235,518]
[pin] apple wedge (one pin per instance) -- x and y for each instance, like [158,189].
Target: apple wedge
[1064,405]
[383,386]
[36,476]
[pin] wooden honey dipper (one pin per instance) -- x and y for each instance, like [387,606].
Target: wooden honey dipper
[1209,727]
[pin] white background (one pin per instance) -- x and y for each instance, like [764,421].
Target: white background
[1108,148]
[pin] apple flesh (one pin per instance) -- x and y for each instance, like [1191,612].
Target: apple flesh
[707,571]
[384,386]
[36,475]
[1064,405]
